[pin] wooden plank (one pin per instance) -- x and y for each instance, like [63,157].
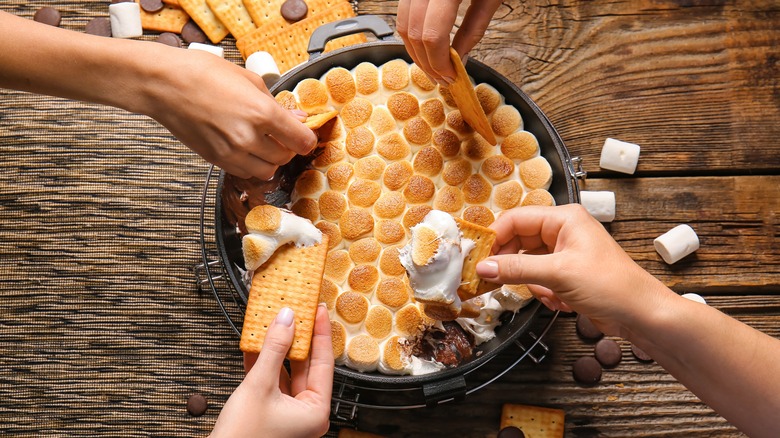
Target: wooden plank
[633,399]
[735,218]
[707,72]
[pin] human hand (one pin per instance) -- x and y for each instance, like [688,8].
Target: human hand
[271,403]
[425,25]
[570,262]
[224,113]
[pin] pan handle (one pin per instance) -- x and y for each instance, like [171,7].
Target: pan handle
[347,26]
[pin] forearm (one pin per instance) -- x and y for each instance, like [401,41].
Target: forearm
[727,364]
[48,60]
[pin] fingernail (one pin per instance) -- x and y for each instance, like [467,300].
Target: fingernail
[440,82]
[549,304]
[464,59]
[449,80]
[487,269]
[323,305]
[285,317]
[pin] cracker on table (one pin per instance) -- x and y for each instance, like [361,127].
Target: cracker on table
[233,15]
[208,22]
[289,45]
[534,421]
[169,19]
[290,278]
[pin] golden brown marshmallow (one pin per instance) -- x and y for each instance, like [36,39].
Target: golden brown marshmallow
[340,84]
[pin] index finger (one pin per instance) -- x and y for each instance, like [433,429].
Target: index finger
[320,378]
[531,224]
[288,130]
[439,21]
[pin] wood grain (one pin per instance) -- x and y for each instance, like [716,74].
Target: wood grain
[105,333]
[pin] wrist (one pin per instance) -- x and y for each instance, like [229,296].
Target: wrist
[650,309]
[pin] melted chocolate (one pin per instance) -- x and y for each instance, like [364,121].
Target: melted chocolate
[450,347]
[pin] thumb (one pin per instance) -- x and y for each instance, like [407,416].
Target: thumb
[275,346]
[521,269]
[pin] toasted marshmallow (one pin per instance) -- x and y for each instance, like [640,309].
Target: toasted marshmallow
[432,110]
[513,297]
[677,243]
[619,156]
[506,120]
[340,84]
[362,353]
[395,74]
[489,98]
[269,228]
[600,205]
[433,258]
[366,78]
[393,292]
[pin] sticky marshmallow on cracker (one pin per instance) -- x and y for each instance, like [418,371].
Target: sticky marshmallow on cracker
[676,243]
[619,156]
[269,228]
[216,50]
[600,205]
[263,64]
[125,20]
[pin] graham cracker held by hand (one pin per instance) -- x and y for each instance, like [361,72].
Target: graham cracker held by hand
[290,278]
[315,121]
[534,421]
[462,91]
[471,285]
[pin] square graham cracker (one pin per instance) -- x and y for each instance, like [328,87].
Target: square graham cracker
[290,278]
[534,421]
[169,19]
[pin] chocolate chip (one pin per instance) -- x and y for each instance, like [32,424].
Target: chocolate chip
[197,405]
[48,15]
[608,353]
[587,370]
[294,10]
[640,355]
[100,26]
[152,5]
[586,329]
[510,432]
[169,39]
[191,33]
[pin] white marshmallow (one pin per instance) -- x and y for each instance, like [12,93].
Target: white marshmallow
[263,64]
[676,243]
[219,51]
[694,297]
[600,205]
[619,156]
[125,20]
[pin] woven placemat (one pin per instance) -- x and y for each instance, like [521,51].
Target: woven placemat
[104,332]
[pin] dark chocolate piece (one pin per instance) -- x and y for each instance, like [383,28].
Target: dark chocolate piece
[100,26]
[510,432]
[169,39]
[608,353]
[191,33]
[586,329]
[48,15]
[197,405]
[587,370]
[294,10]
[640,355]
[152,5]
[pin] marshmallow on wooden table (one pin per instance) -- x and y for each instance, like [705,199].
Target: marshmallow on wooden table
[676,243]
[619,156]
[600,205]
[694,297]
[263,64]
[219,51]
[125,20]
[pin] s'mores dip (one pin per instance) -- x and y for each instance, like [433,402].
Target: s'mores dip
[399,183]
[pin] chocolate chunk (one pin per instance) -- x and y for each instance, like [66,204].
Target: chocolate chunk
[294,10]
[191,33]
[100,26]
[586,329]
[608,353]
[48,15]
[152,5]
[587,370]
[510,432]
[197,405]
[640,355]
[169,39]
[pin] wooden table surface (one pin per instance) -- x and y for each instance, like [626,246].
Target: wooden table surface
[104,332]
